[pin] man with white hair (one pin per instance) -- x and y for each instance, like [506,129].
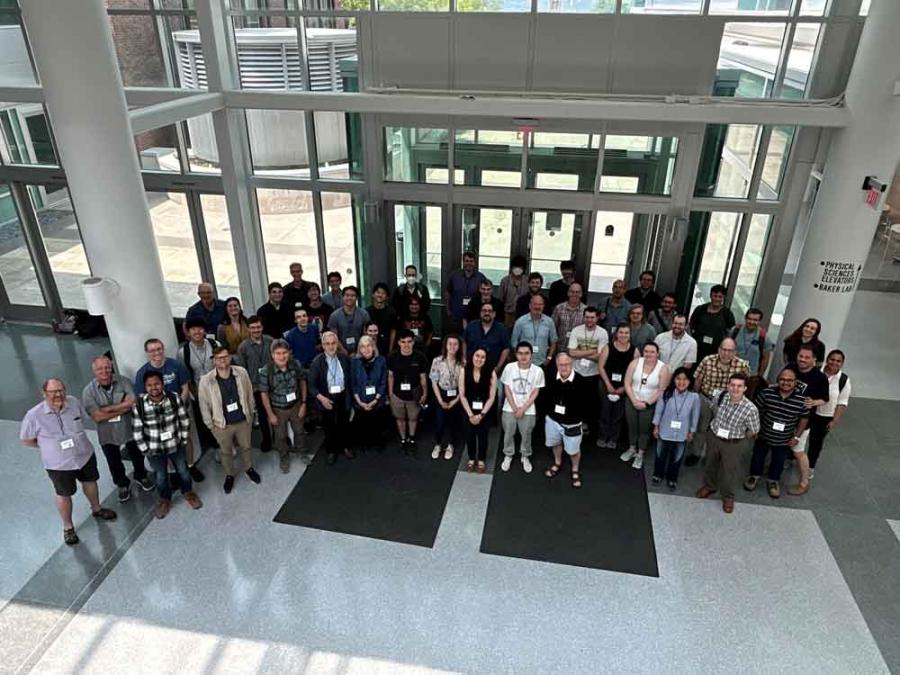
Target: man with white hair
[210,309]
[563,426]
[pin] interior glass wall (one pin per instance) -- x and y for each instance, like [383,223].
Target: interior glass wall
[289,233]
[409,152]
[17,271]
[488,157]
[62,240]
[609,255]
[174,236]
[221,248]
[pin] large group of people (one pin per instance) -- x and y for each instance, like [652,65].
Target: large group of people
[631,373]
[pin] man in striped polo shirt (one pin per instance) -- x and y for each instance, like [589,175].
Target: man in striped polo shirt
[783,417]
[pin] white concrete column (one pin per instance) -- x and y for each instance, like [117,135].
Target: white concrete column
[843,225]
[75,58]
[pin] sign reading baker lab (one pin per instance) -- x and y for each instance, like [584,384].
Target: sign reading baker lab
[838,277]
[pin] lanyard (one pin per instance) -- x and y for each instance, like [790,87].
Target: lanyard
[683,403]
[466,292]
[520,389]
[332,372]
[535,327]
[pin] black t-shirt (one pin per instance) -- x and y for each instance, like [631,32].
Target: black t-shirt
[812,384]
[650,301]
[421,326]
[473,310]
[230,399]
[407,370]
[559,292]
[276,321]
[386,318]
[295,298]
[320,315]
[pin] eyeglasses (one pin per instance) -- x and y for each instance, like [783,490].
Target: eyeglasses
[787,380]
[726,349]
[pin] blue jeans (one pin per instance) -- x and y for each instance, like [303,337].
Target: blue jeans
[160,464]
[776,464]
[668,459]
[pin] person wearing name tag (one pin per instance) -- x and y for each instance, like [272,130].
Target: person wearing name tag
[710,379]
[485,297]
[408,388]
[417,322]
[677,349]
[568,314]
[233,330]
[612,366]
[829,413]
[783,416]
[478,391]
[161,430]
[565,417]
[109,399]
[384,316]
[413,288]
[735,421]
[276,315]
[317,310]
[674,424]
[645,380]
[296,291]
[368,374]
[444,376]
[461,289]
[210,310]
[522,382]
[227,407]
[711,322]
[641,331]
[585,344]
[347,321]
[303,338]
[537,329]
[55,426]
[329,384]
[254,353]
[197,356]
[283,392]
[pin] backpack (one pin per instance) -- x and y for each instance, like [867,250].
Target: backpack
[186,352]
[842,382]
[173,399]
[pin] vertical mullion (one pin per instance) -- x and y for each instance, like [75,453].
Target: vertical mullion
[759,163]
[523,181]
[320,236]
[600,153]
[201,241]
[34,241]
[734,265]
[781,68]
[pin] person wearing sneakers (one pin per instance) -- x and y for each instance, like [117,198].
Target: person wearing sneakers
[585,344]
[226,405]
[735,421]
[444,376]
[282,387]
[783,416]
[563,423]
[330,384]
[813,384]
[645,379]
[368,378]
[674,424]
[407,388]
[614,361]
[522,382]
[477,391]
[161,430]
[109,399]
[829,414]
[55,426]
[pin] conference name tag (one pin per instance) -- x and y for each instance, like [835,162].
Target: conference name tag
[778,426]
[67,444]
[477,405]
[405,386]
[370,391]
[290,398]
[231,407]
[210,336]
[451,392]
[616,377]
[166,436]
[335,389]
[113,420]
[585,363]
[351,340]
[559,409]
[707,339]
[675,424]
[722,433]
[466,302]
[415,331]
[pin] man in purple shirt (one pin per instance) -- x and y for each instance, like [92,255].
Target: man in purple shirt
[462,287]
[56,428]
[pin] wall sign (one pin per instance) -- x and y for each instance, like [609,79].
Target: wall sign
[838,277]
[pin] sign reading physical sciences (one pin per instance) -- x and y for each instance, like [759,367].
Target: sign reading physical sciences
[838,277]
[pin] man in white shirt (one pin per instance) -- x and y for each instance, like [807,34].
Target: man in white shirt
[585,344]
[677,349]
[522,382]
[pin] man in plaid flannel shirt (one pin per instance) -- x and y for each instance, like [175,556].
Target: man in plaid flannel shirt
[161,430]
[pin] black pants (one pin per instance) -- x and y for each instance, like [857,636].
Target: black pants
[776,465]
[335,422]
[264,427]
[592,401]
[818,430]
[113,454]
[477,440]
[207,440]
[369,427]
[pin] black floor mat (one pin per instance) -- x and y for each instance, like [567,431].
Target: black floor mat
[380,495]
[605,524]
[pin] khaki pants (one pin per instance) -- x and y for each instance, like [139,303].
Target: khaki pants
[698,446]
[723,463]
[525,425]
[288,417]
[234,435]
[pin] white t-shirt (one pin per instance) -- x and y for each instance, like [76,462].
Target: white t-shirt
[581,338]
[521,383]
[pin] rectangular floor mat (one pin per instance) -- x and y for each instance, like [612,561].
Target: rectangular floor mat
[380,495]
[605,524]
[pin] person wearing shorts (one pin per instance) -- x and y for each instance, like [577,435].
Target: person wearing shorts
[55,426]
[408,387]
[565,417]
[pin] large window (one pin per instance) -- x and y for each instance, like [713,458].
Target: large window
[177,252]
[751,262]
[340,240]
[16,268]
[289,233]
[488,157]
[638,164]
[609,257]
[563,161]
[409,152]
[221,248]
[748,58]
[62,240]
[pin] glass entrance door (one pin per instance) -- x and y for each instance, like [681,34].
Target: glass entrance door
[417,231]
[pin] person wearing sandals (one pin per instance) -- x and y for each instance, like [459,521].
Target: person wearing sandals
[444,376]
[674,425]
[522,382]
[477,391]
[645,380]
[55,426]
[368,373]
[565,417]
[615,358]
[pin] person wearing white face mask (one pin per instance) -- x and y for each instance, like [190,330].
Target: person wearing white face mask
[512,287]
[411,289]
